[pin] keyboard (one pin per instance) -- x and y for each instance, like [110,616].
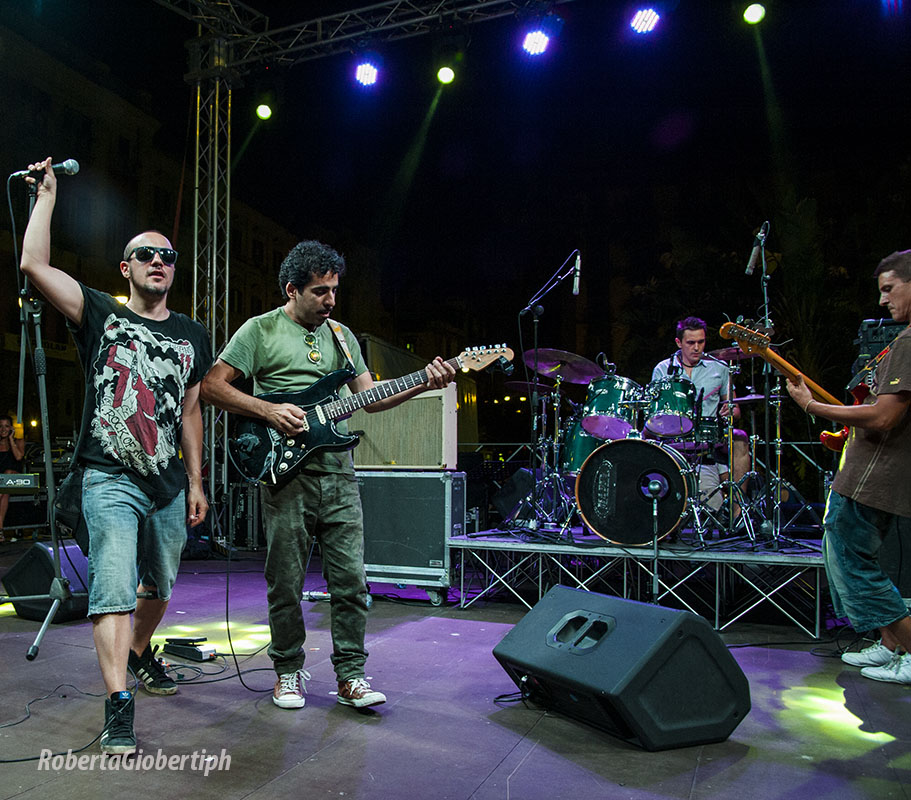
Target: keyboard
[19,483]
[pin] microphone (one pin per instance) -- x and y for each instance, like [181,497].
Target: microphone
[576,273]
[68,167]
[757,246]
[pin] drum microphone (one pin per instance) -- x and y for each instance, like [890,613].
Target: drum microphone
[68,167]
[757,247]
[576,273]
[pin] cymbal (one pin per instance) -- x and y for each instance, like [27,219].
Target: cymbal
[559,363]
[755,398]
[730,354]
[529,387]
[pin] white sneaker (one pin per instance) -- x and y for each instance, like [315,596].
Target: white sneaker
[357,692]
[290,689]
[876,655]
[898,670]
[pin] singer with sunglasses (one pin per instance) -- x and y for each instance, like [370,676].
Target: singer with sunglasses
[139,448]
[288,349]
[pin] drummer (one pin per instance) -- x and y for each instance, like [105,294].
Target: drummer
[710,378]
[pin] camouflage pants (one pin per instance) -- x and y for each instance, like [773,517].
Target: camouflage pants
[325,507]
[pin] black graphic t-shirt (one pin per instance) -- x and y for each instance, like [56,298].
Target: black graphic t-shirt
[137,373]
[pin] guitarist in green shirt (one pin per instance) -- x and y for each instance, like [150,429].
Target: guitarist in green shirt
[288,350]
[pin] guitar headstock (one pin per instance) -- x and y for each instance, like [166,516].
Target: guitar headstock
[477,358]
[750,341]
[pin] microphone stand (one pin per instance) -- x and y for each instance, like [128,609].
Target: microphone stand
[59,591]
[550,473]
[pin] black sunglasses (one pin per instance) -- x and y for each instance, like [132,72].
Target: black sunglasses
[145,253]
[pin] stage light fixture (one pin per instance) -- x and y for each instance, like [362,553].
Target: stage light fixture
[645,20]
[449,51]
[263,111]
[367,69]
[539,32]
[754,13]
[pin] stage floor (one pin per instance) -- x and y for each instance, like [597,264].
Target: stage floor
[816,729]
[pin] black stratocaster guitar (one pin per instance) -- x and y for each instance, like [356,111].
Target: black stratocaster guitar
[264,454]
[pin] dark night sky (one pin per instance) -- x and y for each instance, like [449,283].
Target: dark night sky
[620,147]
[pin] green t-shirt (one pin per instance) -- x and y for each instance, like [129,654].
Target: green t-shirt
[271,349]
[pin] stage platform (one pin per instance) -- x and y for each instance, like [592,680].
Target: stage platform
[724,579]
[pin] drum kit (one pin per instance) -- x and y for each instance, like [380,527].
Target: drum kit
[627,459]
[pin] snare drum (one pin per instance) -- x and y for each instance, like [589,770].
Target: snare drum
[577,446]
[610,408]
[672,406]
[612,490]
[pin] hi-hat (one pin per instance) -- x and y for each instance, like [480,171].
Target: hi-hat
[755,398]
[750,398]
[730,354]
[559,363]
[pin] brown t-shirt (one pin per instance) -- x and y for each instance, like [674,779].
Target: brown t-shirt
[875,466]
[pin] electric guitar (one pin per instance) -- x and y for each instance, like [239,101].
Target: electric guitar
[262,453]
[756,343]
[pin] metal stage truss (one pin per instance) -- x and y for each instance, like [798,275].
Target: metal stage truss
[721,585]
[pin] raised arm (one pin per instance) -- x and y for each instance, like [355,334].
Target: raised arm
[61,290]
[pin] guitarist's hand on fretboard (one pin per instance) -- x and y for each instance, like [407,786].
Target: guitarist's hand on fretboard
[799,391]
[439,374]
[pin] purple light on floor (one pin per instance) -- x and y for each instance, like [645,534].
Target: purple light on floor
[644,20]
[535,42]
[366,74]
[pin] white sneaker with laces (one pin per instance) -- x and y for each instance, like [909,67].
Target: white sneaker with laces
[357,692]
[290,689]
[876,655]
[898,670]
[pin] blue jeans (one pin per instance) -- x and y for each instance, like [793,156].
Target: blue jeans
[130,541]
[860,589]
[325,507]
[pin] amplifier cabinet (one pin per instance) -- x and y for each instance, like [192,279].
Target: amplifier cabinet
[421,434]
[409,518]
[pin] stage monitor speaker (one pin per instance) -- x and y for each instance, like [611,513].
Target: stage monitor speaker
[32,574]
[653,676]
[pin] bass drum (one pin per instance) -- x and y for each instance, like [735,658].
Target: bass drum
[612,490]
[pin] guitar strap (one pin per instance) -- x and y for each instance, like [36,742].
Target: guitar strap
[340,338]
[865,375]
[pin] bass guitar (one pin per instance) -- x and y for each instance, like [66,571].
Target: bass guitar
[264,454]
[756,343]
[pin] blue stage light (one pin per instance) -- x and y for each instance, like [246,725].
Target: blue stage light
[644,20]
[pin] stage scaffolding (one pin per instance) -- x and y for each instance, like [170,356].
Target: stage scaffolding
[721,585]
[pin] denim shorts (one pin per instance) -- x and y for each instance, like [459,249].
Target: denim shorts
[130,541]
[860,589]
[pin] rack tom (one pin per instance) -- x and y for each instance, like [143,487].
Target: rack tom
[611,407]
[671,407]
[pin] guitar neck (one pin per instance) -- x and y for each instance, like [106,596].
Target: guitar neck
[784,367]
[346,406]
